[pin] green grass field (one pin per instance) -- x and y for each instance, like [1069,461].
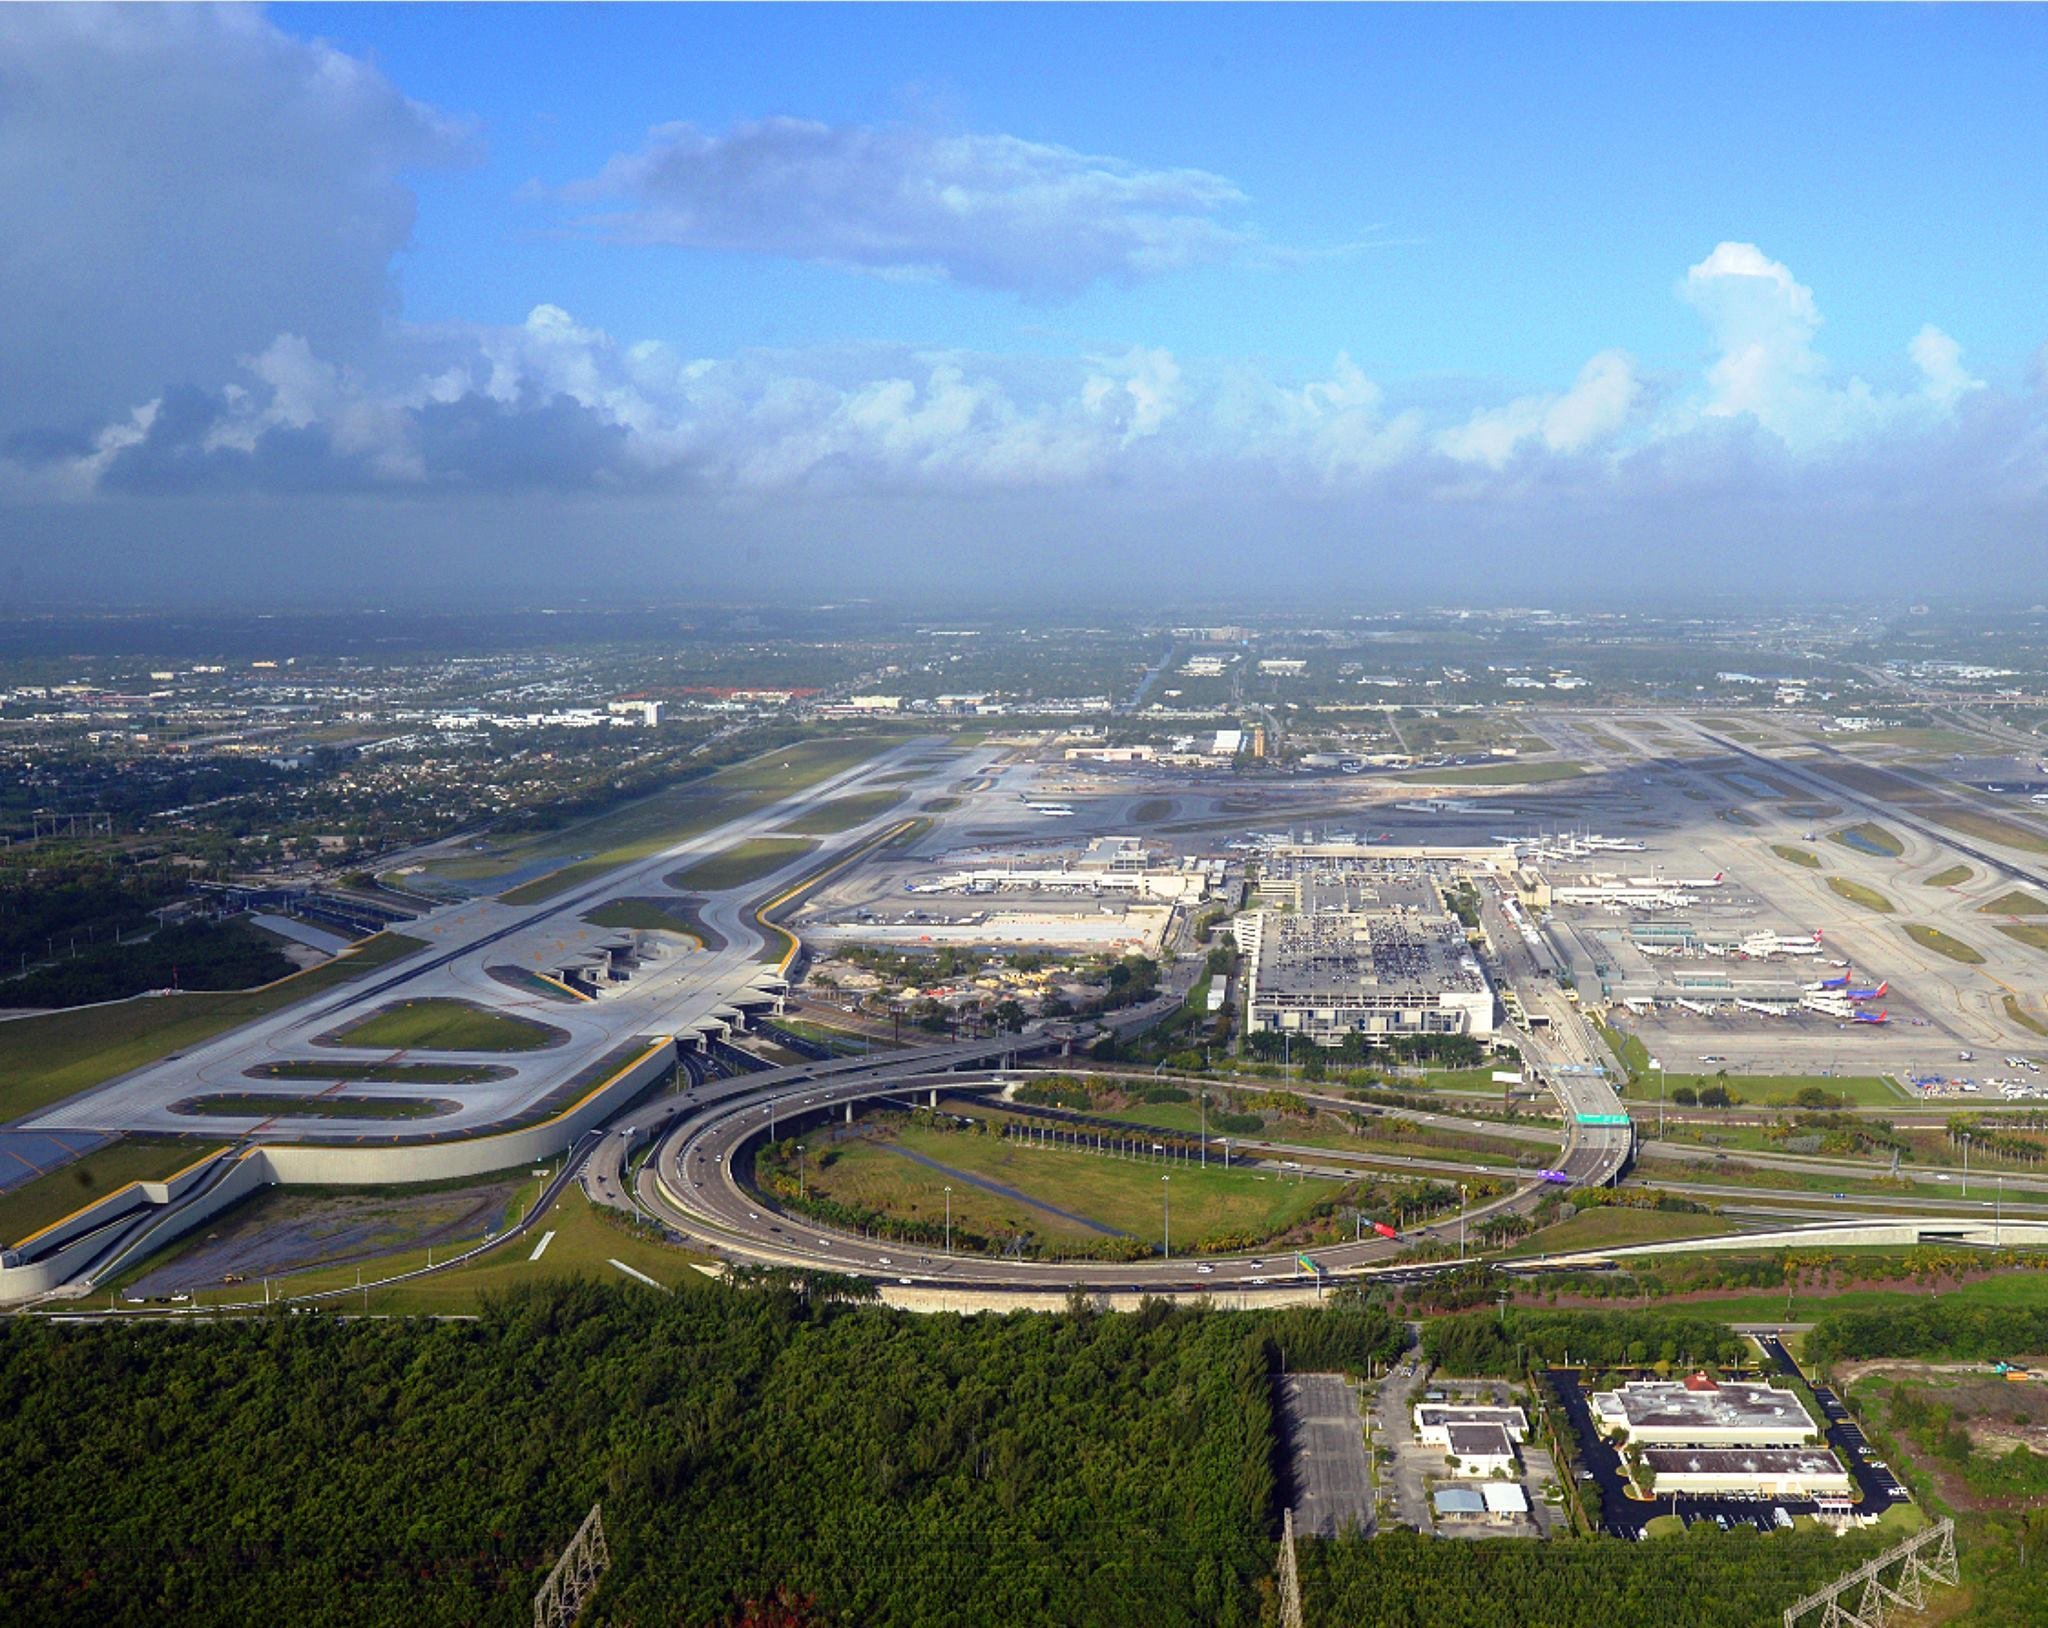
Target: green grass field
[1933,938]
[1989,827]
[1873,834]
[1123,1194]
[267,1105]
[1862,1090]
[642,829]
[446,1025]
[742,863]
[1152,810]
[1856,893]
[1401,1138]
[2018,902]
[646,915]
[1954,876]
[2031,934]
[2010,1289]
[1610,1227]
[1498,774]
[36,1203]
[46,1059]
[1797,856]
[382,1073]
[843,813]
[2025,1019]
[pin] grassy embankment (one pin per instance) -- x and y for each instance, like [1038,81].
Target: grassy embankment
[1797,856]
[585,1245]
[639,830]
[446,1025]
[46,1059]
[36,1203]
[1954,876]
[1610,1227]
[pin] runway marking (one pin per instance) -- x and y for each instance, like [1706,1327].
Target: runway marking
[642,1276]
[546,1238]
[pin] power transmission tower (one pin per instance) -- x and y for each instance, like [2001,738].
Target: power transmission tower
[1290,1576]
[575,1576]
[1929,1557]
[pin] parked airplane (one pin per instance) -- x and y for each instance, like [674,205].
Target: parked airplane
[1876,994]
[1056,811]
[1829,983]
[1871,1017]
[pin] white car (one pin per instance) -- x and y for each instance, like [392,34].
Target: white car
[1205,1269]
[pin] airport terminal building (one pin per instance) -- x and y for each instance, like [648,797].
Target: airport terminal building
[1359,945]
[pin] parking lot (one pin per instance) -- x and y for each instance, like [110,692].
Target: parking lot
[1625,1517]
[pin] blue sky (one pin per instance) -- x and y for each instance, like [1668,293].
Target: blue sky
[1551,291]
[1540,177]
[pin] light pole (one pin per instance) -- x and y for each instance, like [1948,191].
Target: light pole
[800,1172]
[949,1220]
[1461,1220]
[1659,1067]
[1204,1096]
[1166,1214]
[1998,1216]
[1966,1162]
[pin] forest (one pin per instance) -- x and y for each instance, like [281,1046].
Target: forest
[1932,1328]
[1707,1579]
[744,1442]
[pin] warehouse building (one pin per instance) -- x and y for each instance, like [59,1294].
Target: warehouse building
[1775,1472]
[1433,1422]
[1480,1449]
[1702,1412]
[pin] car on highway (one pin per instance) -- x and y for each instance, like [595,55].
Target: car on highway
[1204,1268]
